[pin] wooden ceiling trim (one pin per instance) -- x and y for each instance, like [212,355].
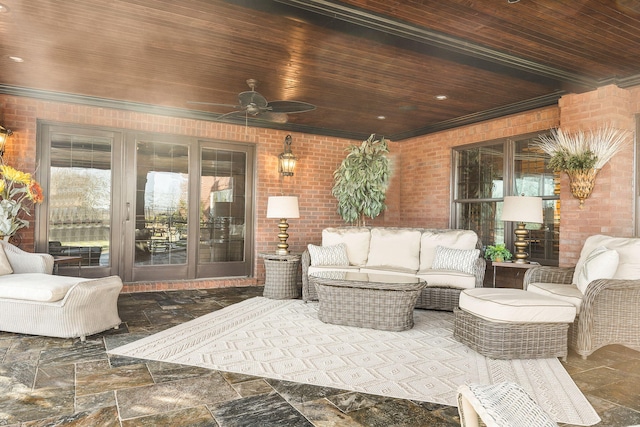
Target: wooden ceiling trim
[453,44]
[545,33]
[531,104]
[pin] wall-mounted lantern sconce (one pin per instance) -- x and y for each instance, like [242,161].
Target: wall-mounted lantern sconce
[4,136]
[286,160]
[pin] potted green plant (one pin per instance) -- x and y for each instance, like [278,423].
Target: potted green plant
[581,155]
[497,253]
[361,181]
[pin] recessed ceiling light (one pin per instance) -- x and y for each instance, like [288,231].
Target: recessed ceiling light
[441,97]
[16,59]
[3,8]
[382,117]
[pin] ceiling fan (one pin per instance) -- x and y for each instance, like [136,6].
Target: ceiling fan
[252,104]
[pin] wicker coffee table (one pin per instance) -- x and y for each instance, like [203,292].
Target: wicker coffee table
[376,301]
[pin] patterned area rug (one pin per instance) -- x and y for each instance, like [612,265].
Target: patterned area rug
[283,339]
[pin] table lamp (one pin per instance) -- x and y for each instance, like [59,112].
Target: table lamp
[522,209]
[283,207]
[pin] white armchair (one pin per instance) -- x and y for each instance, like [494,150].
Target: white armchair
[605,288]
[35,302]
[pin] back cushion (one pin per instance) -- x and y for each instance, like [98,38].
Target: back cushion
[455,239]
[355,239]
[395,248]
[628,250]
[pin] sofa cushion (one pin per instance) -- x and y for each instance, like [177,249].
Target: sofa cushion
[628,249]
[515,305]
[5,265]
[328,255]
[37,286]
[568,293]
[447,278]
[455,259]
[456,239]
[396,271]
[601,263]
[393,247]
[356,240]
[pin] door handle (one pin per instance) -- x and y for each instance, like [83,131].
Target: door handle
[128,211]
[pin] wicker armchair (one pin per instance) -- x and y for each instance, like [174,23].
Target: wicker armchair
[609,312]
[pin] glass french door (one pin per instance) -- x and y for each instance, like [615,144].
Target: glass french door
[79,169]
[145,206]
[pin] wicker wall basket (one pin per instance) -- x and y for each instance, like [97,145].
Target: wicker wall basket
[582,182]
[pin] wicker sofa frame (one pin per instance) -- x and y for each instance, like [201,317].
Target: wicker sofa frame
[609,313]
[444,298]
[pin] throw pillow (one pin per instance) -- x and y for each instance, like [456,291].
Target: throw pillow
[5,265]
[328,255]
[601,263]
[455,259]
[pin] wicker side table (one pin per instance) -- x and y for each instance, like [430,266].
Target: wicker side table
[281,276]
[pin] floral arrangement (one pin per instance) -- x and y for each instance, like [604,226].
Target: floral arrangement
[582,150]
[18,192]
[581,155]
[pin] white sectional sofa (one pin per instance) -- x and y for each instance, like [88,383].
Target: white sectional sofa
[35,302]
[449,260]
[604,287]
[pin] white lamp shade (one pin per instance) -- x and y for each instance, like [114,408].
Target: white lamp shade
[283,207]
[522,209]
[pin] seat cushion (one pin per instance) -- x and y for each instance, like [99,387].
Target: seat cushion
[398,271]
[36,286]
[356,239]
[568,293]
[448,278]
[455,239]
[515,305]
[397,248]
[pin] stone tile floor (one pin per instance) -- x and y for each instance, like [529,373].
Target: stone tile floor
[64,382]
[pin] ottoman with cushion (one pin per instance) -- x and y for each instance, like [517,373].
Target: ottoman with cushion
[513,324]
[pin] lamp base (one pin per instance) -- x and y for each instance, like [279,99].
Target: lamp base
[521,256]
[283,246]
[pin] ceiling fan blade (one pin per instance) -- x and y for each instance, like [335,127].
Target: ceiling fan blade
[290,107]
[214,104]
[252,97]
[231,115]
[270,116]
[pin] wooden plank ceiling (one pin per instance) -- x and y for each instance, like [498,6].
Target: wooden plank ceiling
[354,60]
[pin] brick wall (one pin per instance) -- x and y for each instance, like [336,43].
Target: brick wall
[610,209]
[419,194]
[426,165]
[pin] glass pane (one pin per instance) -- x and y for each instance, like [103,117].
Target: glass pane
[481,218]
[545,239]
[80,198]
[222,206]
[480,173]
[161,203]
[533,177]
